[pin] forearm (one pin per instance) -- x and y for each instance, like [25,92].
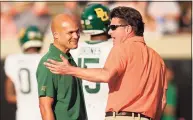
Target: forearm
[47,113]
[10,91]
[11,98]
[91,74]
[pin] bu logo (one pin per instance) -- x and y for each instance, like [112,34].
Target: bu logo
[101,14]
[43,88]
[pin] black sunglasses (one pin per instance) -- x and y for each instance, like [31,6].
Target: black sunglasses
[114,27]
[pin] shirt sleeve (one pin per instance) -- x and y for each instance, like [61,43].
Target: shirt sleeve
[116,60]
[165,85]
[45,82]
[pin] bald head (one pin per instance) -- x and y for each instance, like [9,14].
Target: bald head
[65,31]
[61,22]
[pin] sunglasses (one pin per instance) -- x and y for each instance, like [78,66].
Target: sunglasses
[114,27]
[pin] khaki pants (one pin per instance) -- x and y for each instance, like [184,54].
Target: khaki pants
[125,118]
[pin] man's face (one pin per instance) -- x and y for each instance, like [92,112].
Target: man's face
[120,33]
[69,35]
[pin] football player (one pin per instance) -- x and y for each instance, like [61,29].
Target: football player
[92,54]
[20,69]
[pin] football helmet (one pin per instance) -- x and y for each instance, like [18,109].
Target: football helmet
[95,19]
[30,37]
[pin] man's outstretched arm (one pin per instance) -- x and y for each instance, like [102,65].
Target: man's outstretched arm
[90,74]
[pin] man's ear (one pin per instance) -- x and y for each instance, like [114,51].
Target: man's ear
[129,29]
[56,35]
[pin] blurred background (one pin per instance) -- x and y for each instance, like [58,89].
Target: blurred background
[168,30]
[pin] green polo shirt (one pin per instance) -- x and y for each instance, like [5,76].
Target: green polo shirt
[65,89]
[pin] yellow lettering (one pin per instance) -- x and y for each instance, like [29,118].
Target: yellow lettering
[101,14]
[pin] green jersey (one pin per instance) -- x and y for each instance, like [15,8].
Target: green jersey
[65,89]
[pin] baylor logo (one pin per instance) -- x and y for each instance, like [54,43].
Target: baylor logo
[101,14]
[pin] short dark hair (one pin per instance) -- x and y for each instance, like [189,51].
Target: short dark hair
[131,16]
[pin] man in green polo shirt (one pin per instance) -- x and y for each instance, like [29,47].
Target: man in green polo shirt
[61,97]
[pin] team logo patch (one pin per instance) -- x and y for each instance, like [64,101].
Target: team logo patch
[43,88]
[101,14]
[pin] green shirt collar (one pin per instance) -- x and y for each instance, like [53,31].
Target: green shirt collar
[54,50]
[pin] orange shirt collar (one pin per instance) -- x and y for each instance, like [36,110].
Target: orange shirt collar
[135,39]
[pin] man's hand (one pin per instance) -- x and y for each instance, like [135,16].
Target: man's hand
[58,67]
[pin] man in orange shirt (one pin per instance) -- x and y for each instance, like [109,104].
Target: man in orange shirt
[135,73]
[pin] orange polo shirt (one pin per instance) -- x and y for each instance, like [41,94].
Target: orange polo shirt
[140,85]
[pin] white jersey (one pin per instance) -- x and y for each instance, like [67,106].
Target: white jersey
[93,54]
[21,68]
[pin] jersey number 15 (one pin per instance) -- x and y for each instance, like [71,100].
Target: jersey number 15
[82,62]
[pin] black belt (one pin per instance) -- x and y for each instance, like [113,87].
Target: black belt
[122,113]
